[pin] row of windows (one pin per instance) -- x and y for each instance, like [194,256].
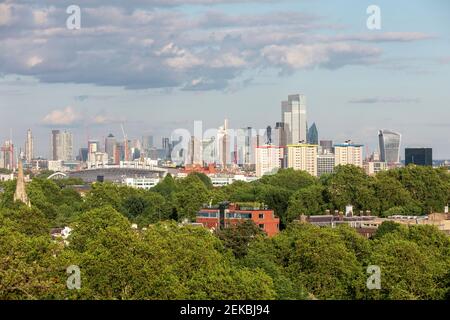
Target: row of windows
[232,215]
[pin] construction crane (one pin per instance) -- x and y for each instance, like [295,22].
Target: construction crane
[125,143]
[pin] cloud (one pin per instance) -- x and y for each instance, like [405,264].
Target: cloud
[66,117]
[140,47]
[385,100]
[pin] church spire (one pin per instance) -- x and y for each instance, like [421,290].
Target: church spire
[21,194]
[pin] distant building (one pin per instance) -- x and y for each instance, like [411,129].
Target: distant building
[389,143]
[419,156]
[110,147]
[326,146]
[303,157]
[313,135]
[7,156]
[141,183]
[293,115]
[62,145]
[269,159]
[29,147]
[373,167]
[348,153]
[325,163]
[264,218]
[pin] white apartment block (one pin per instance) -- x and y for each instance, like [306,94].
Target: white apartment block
[268,159]
[303,157]
[348,153]
[373,167]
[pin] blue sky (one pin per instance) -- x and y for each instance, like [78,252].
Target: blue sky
[159,65]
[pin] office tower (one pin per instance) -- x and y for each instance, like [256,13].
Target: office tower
[303,157]
[147,144]
[389,142]
[279,135]
[194,152]
[93,148]
[419,156]
[209,151]
[8,155]
[325,163]
[313,134]
[62,146]
[83,154]
[326,146]
[29,147]
[268,135]
[110,147]
[293,115]
[21,194]
[223,140]
[269,159]
[348,153]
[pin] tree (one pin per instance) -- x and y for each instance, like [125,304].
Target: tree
[190,197]
[238,237]
[307,201]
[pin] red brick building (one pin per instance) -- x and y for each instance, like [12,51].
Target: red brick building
[264,218]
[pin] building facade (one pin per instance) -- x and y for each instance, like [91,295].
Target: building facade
[325,163]
[269,159]
[348,154]
[419,156]
[303,157]
[294,117]
[389,143]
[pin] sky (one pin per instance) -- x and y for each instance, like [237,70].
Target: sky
[158,65]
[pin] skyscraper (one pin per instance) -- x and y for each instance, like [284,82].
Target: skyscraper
[313,134]
[8,155]
[62,145]
[148,144]
[110,146]
[29,147]
[389,146]
[293,115]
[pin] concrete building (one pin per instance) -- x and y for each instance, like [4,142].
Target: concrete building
[348,153]
[7,156]
[141,183]
[303,157]
[269,159]
[326,146]
[325,163]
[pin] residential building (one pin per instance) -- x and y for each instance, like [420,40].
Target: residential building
[269,159]
[348,153]
[303,157]
[373,167]
[264,218]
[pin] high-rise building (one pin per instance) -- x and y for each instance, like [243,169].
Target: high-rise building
[223,140]
[293,115]
[325,163]
[62,146]
[194,152]
[419,156]
[29,147]
[389,142]
[7,156]
[313,134]
[110,147]
[303,156]
[326,146]
[269,159]
[147,144]
[348,153]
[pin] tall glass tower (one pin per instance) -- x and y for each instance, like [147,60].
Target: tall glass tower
[389,146]
[293,114]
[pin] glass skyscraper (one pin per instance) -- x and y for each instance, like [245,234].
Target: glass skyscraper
[293,114]
[389,146]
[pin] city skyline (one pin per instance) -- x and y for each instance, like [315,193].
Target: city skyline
[206,62]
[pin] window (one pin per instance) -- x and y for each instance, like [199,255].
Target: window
[261,226]
[261,215]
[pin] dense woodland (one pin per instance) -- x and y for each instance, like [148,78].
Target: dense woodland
[171,260]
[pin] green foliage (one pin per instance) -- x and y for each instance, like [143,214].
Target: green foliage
[239,236]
